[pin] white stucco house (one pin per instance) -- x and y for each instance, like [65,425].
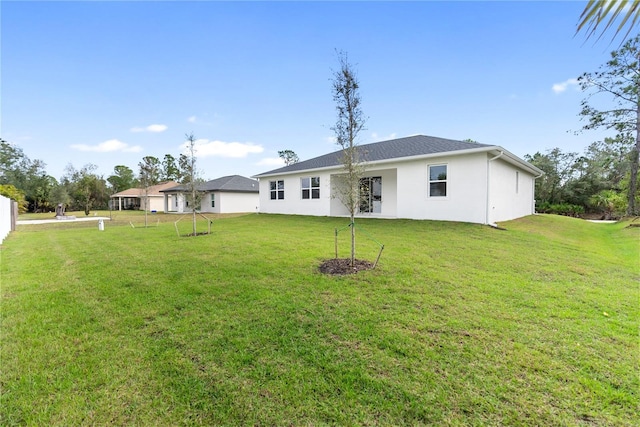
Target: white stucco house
[138,198]
[229,194]
[417,177]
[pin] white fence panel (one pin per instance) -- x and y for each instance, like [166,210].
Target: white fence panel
[6,217]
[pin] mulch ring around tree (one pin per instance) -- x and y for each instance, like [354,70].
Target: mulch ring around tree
[341,266]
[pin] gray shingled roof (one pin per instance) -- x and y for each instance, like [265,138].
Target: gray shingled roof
[417,145]
[235,183]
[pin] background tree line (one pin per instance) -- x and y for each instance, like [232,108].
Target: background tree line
[27,182]
[595,181]
[604,179]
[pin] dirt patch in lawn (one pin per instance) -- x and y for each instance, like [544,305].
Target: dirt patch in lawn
[201,233]
[341,266]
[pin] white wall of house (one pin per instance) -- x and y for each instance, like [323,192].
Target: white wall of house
[510,192]
[293,203]
[225,202]
[230,202]
[405,191]
[465,189]
[7,220]
[174,202]
[389,202]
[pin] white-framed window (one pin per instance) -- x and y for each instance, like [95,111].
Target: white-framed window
[276,189]
[438,180]
[517,181]
[213,200]
[310,187]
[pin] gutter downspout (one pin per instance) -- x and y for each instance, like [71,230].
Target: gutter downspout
[488,186]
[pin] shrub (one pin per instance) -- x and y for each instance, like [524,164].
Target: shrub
[565,209]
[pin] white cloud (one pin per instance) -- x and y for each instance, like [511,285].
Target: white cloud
[561,87]
[206,148]
[192,119]
[108,147]
[271,161]
[151,128]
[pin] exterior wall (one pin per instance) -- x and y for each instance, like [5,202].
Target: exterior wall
[466,189]
[405,191]
[7,219]
[510,192]
[389,203]
[230,202]
[156,203]
[175,202]
[293,202]
[238,202]
[226,202]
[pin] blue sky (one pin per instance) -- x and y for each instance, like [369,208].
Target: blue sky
[110,82]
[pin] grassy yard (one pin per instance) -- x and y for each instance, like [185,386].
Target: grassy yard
[460,324]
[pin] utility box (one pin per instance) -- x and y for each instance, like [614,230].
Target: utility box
[101,224]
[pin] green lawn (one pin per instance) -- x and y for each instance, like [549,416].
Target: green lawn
[460,324]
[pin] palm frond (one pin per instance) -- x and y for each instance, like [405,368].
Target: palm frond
[599,13]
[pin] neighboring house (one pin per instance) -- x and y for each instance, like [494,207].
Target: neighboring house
[229,194]
[417,177]
[136,198]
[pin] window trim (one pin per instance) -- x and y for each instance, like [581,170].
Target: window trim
[276,189]
[311,189]
[213,200]
[436,181]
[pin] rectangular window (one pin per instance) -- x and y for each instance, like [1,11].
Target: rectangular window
[437,180]
[213,200]
[310,187]
[276,189]
[517,181]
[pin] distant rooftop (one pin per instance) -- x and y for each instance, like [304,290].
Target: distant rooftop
[235,183]
[154,190]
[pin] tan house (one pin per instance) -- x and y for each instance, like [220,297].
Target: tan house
[136,198]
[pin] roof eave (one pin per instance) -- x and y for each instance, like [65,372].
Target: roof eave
[514,159]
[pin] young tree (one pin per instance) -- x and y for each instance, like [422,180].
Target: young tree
[289,157]
[620,80]
[349,123]
[190,176]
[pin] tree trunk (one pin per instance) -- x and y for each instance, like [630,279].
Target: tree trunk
[193,196]
[633,182]
[353,241]
[635,154]
[194,220]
